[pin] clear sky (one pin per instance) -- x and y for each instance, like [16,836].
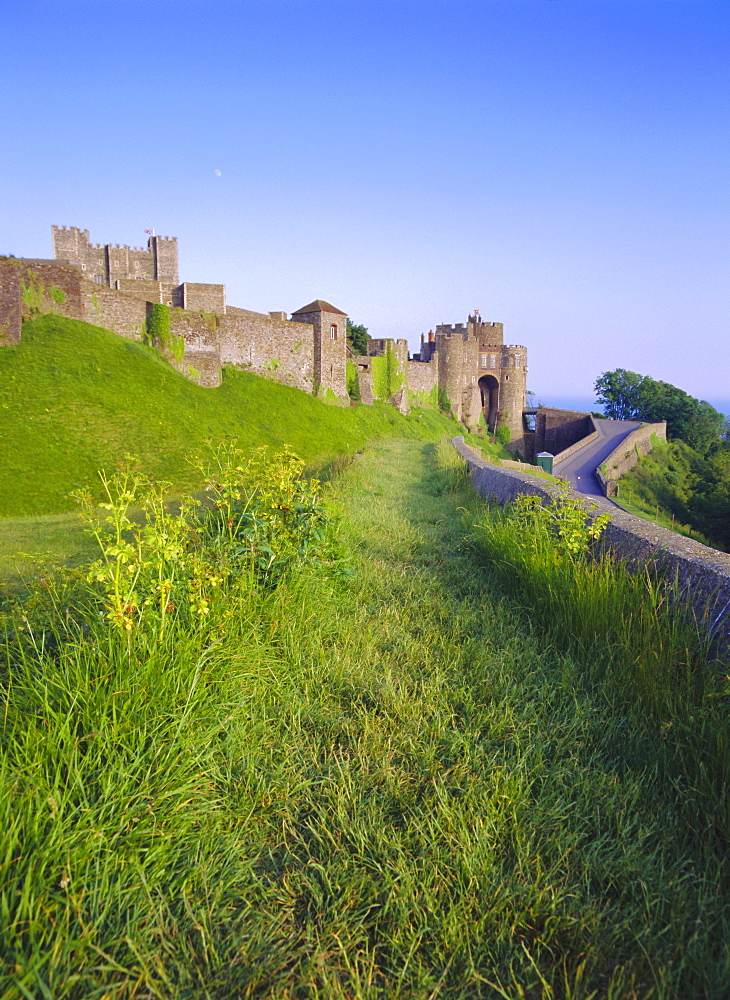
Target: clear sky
[562,165]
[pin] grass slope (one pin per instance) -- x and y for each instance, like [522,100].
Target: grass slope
[388,788]
[674,486]
[75,398]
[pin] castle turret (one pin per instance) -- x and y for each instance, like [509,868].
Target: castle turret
[330,339]
[164,254]
[513,389]
[116,262]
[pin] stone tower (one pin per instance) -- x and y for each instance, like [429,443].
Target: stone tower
[111,262]
[330,339]
[481,374]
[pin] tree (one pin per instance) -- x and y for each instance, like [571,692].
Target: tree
[618,392]
[357,338]
[625,395]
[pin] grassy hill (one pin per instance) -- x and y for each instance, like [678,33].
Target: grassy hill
[75,398]
[679,488]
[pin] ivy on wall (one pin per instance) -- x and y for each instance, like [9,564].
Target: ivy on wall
[353,383]
[387,375]
[34,294]
[37,298]
[159,335]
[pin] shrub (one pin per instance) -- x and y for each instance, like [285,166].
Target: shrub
[503,435]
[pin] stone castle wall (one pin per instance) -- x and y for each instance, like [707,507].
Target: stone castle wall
[422,376]
[274,348]
[107,263]
[208,298]
[556,430]
[147,291]
[113,310]
[29,286]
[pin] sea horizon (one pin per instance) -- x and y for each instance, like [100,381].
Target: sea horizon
[588,404]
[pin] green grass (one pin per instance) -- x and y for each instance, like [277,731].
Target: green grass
[655,514]
[396,787]
[665,486]
[491,449]
[30,546]
[75,399]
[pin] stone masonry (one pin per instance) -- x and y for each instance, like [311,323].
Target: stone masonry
[477,371]
[116,287]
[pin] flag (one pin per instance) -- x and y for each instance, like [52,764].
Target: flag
[150,231]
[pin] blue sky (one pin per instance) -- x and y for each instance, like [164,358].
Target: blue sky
[560,164]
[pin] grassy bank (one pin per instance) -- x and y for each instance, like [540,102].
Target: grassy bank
[680,489]
[75,399]
[388,787]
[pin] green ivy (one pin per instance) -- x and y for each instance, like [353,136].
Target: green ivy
[34,294]
[177,347]
[353,383]
[57,294]
[158,325]
[159,335]
[387,375]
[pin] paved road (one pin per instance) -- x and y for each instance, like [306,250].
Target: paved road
[579,469]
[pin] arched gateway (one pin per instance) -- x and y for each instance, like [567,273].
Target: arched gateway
[489,388]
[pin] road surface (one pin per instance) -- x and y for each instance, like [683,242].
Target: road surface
[580,468]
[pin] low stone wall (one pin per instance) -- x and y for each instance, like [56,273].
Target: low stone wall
[508,463]
[702,572]
[625,456]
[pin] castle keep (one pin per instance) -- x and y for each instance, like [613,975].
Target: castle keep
[119,288]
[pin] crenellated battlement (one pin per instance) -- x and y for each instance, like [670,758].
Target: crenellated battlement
[115,285]
[109,263]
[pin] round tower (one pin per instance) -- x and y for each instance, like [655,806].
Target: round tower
[512,393]
[450,350]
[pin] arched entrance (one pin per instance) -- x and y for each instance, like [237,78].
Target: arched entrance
[489,388]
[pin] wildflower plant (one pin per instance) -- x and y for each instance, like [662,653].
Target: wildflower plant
[163,562]
[265,510]
[568,523]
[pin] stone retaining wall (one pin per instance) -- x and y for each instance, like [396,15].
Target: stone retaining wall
[703,573]
[625,456]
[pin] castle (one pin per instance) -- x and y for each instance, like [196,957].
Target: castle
[119,287]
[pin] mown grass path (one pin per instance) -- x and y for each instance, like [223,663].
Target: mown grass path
[379,788]
[509,826]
